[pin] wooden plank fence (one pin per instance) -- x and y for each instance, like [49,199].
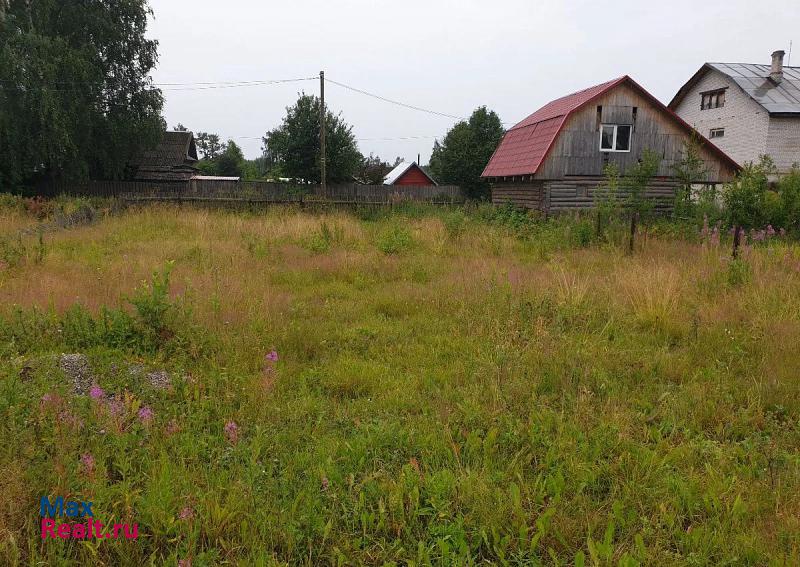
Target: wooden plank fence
[256,192]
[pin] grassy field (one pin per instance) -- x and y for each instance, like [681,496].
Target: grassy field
[450,388]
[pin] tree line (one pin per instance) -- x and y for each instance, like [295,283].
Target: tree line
[76,98]
[77,102]
[292,151]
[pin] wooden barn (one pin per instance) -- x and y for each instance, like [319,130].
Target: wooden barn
[554,159]
[173,159]
[408,174]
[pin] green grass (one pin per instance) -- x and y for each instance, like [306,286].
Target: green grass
[453,387]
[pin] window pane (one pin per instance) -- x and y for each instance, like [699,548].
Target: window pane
[623,138]
[607,138]
[721,98]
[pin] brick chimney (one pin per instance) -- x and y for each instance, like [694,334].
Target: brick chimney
[776,73]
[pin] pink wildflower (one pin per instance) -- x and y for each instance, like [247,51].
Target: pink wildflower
[115,407]
[770,230]
[146,414]
[69,419]
[96,392]
[272,356]
[87,463]
[184,563]
[232,432]
[186,514]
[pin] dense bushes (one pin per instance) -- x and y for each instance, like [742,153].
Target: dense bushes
[157,324]
[753,201]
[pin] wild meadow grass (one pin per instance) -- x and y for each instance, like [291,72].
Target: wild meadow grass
[419,387]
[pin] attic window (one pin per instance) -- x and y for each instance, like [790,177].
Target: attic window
[712,99]
[615,137]
[717,133]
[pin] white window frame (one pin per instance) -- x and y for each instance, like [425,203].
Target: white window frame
[614,139]
[711,135]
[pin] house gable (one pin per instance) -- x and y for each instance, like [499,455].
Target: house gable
[172,159]
[563,137]
[576,150]
[406,173]
[744,122]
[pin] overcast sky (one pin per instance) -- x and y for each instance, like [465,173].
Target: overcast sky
[446,55]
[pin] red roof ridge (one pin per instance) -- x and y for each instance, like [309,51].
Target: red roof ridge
[526,145]
[600,88]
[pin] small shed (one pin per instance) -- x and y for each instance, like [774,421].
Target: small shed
[408,174]
[173,159]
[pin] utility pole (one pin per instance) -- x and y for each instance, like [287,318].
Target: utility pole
[322,164]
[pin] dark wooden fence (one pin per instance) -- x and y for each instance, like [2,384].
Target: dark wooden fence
[221,192]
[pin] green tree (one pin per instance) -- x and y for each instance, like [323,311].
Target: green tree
[76,99]
[231,162]
[636,180]
[465,150]
[294,147]
[209,145]
[690,170]
[789,194]
[607,204]
[373,170]
[744,198]
[635,183]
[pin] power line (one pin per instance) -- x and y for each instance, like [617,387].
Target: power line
[397,138]
[227,85]
[398,103]
[196,86]
[386,139]
[209,85]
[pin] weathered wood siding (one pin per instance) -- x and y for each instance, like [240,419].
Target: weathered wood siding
[576,150]
[582,193]
[528,194]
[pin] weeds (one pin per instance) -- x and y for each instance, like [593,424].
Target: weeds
[394,239]
[455,223]
[514,393]
[738,273]
[323,239]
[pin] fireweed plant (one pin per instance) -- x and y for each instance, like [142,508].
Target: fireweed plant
[430,386]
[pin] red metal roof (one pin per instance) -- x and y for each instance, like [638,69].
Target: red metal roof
[525,146]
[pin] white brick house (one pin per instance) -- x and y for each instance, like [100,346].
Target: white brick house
[746,110]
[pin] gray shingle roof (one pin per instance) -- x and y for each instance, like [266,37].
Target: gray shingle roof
[752,78]
[172,159]
[175,148]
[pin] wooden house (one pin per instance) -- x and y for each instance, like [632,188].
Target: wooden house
[408,174]
[173,159]
[554,159]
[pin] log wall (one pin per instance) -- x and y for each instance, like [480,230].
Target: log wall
[523,194]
